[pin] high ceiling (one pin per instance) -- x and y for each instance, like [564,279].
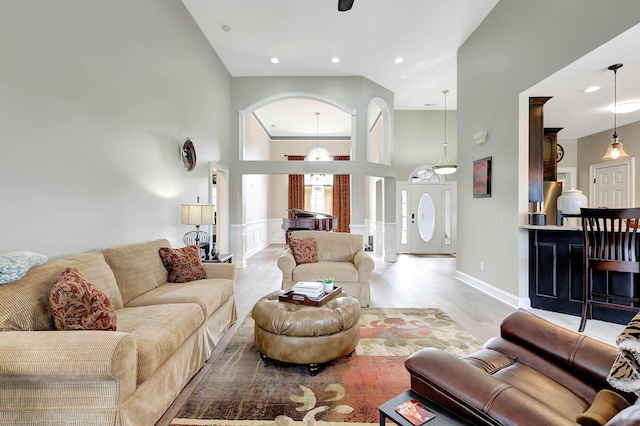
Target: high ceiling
[306,34]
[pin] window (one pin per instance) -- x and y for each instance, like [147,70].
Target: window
[403,217]
[425,175]
[319,154]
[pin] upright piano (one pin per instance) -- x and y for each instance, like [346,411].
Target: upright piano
[306,220]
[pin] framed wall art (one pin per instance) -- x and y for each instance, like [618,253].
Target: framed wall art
[482,178]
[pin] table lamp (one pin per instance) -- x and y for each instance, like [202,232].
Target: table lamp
[198,214]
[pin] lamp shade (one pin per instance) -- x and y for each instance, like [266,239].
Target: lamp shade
[198,214]
[445,169]
[615,150]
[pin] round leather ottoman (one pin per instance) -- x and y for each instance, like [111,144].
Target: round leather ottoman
[300,334]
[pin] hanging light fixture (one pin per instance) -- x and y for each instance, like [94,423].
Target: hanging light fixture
[615,149]
[317,178]
[445,166]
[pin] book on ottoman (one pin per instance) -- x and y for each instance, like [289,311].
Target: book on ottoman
[312,289]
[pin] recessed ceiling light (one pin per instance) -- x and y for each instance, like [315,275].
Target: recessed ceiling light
[275,60]
[592,89]
[399,60]
[627,107]
[335,60]
[226,28]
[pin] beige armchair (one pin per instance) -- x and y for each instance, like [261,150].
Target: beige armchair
[341,256]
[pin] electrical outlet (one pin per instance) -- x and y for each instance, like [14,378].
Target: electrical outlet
[482,266]
[501,220]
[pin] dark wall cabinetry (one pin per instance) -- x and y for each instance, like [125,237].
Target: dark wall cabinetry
[536,135]
[550,153]
[556,271]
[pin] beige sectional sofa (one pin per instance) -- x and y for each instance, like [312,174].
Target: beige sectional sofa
[341,256]
[165,333]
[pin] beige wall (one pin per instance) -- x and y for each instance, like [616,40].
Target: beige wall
[96,99]
[256,141]
[570,147]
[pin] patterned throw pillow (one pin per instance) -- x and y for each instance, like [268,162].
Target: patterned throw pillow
[625,371]
[184,264]
[305,250]
[76,304]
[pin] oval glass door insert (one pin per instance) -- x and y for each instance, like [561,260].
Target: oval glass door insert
[426,217]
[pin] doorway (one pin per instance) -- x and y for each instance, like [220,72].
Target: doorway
[218,195]
[612,184]
[427,218]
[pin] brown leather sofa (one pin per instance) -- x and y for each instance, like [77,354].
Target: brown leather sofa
[535,373]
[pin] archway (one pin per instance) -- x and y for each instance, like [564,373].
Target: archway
[379,134]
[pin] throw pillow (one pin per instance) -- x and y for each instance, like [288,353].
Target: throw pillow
[305,250]
[14,266]
[183,264]
[605,406]
[76,304]
[625,372]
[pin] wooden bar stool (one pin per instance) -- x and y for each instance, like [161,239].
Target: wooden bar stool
[611,244]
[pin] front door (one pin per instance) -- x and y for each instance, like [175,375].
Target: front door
[612,184]
[430,218]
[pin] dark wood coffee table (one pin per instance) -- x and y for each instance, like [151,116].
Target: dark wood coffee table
[443,416]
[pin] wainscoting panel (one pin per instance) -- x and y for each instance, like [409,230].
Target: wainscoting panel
[276,233]
[257,236]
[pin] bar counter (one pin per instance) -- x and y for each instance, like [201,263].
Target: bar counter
[556,273]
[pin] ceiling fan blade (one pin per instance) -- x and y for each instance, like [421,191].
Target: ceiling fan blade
[344,5]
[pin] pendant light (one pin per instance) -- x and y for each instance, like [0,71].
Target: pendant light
[445,166]
[615,149]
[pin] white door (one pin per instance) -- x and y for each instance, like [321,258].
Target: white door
[430,218]
[612,184]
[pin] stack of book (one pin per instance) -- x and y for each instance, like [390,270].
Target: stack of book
[311,289]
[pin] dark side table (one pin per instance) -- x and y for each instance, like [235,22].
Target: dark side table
[443,416]
[222,258]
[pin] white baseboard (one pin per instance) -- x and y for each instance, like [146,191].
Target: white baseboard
[496,293]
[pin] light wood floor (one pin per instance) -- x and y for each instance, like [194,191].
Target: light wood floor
[418,281]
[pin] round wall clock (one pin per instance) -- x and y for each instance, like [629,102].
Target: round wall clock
[559,153]
[188,155]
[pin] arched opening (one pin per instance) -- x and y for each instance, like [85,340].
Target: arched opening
[286,124]
[379,133]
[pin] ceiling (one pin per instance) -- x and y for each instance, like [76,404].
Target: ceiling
[583,114]
[306,35]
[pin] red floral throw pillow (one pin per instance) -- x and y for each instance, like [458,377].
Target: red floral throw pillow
[305,250]
[184,264]
[76,304]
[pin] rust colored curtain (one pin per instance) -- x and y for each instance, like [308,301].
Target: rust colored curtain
[296,187]
[342,197]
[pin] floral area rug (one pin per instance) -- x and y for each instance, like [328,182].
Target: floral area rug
[240,389]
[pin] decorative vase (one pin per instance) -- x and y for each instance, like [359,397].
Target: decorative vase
[328,285]
[571,200]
